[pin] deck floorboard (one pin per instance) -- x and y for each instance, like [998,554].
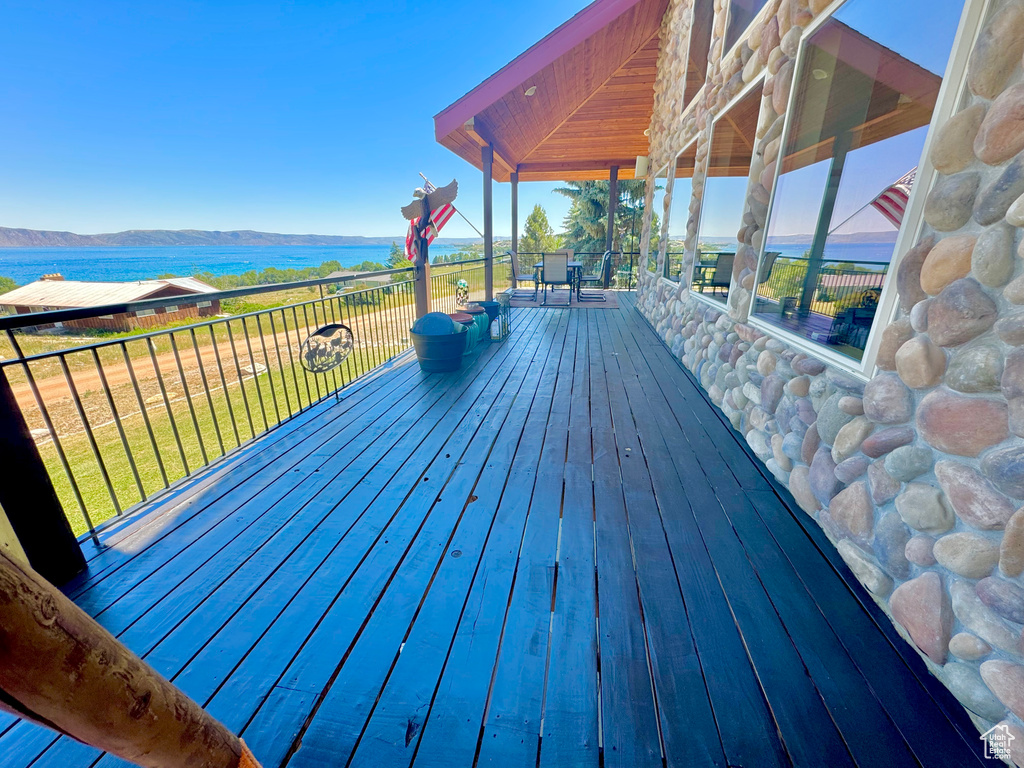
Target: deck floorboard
[560,555]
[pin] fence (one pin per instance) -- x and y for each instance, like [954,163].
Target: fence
[674,265]
[452,285]
[121,418]
[839,286]
[623,268]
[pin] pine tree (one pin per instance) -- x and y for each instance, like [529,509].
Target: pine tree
[587,221]
[538,237]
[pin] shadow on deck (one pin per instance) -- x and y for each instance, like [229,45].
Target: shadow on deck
[557,556]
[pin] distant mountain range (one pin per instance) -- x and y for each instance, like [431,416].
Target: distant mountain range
[36,238]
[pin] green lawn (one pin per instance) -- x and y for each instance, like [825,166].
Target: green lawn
[202,419]
[271,394]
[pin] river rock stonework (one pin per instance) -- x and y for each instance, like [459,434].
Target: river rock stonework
[915,471]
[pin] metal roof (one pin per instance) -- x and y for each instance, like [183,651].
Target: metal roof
[78,293]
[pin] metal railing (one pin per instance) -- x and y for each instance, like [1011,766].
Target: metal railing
[623,274]
[839,286]
[674,265]
[454,284]
[119,418]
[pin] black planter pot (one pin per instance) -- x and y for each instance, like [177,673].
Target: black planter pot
[438,354]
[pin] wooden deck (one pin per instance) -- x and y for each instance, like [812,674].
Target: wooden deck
[559,556]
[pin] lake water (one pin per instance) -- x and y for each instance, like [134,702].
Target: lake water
[877,253]
[24,265]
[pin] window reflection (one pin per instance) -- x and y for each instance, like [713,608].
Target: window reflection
[725,189]
[680,226]
[741,13]
[657,215]
[865,95]
[699,47]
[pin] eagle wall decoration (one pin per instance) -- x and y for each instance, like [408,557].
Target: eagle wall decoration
[419,211]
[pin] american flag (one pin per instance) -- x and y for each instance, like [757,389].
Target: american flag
[439,218]
[892,202]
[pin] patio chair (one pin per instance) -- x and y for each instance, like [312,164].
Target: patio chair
[520,277]
[764,272]
[556,272]
[723,272]
[595,279]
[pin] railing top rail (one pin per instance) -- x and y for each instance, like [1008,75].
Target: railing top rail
[176,329]
[13,322]
[828,260]
[575,253]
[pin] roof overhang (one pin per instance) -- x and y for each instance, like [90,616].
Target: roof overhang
[594,79]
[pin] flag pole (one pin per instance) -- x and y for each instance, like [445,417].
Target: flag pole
[456,209]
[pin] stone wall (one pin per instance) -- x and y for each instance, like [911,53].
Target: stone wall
[917,475]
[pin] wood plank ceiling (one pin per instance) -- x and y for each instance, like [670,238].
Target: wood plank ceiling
[592,104]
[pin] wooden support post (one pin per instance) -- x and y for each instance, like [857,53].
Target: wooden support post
[421,277]
[613,201]
[61,669]
[840,148]
[31,504]
[487,155]
[514,181]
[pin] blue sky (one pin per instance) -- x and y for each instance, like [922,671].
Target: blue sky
[285,117]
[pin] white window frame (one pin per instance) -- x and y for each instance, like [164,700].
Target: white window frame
[950,94]
[145,312]
[204,304]
[727,10]
[171,308]
[757,82]
[672,172]
[689,43]
[658,263]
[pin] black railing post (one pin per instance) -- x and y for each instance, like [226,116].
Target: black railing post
[487,157]
[29,500]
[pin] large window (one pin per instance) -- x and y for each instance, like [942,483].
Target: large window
[657,217]
[679,213]
[868,81]
[741,13]
[700,45]
[725,191]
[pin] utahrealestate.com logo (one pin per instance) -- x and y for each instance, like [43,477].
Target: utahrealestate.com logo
[997,742]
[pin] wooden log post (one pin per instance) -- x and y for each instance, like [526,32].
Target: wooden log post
[61,669]
[487,155]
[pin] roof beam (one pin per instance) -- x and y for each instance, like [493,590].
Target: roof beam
[481,134]
[580,165]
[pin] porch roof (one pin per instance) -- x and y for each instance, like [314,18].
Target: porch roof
[594,79]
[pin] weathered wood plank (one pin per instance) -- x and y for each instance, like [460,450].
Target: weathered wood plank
[570,731]
[452,727]
[629,715]
[922,722]
[511,731]
[457,524]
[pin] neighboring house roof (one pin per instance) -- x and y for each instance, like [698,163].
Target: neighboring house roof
[76,293]
[872,279]
[381,279]
[189,284]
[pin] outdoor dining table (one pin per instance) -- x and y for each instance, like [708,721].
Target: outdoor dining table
[575,269]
